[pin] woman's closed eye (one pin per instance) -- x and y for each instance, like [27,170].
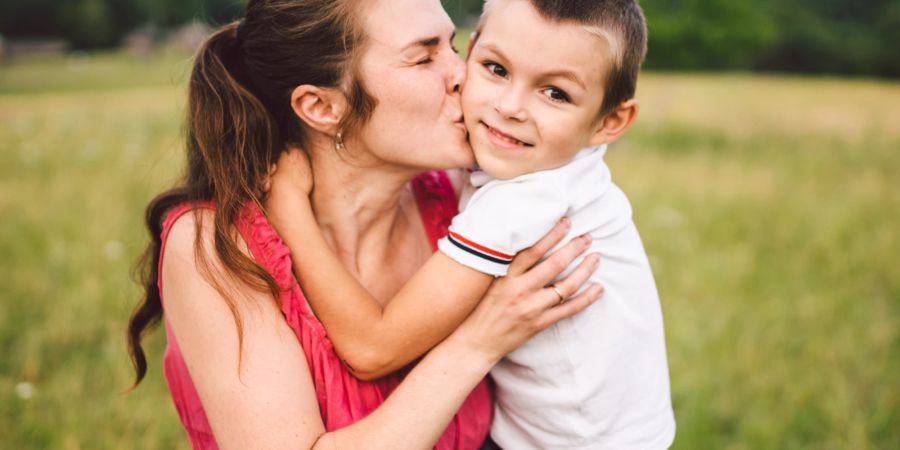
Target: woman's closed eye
[557,95]
[430,57]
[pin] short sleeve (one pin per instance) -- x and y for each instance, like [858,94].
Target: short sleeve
[502,219]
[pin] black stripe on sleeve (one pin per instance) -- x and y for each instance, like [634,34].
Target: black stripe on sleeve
[477,253]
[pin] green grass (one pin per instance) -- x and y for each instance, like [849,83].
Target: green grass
[93,71]
[769,206]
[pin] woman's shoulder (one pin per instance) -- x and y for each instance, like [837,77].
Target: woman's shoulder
[256,238]
[188,263]
[179,228]
[180,231]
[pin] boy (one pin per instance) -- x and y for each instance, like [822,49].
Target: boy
[549,84]
[537,97]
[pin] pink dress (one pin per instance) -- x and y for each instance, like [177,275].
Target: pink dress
[342,398]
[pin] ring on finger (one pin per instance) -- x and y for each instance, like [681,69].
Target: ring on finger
[559,294]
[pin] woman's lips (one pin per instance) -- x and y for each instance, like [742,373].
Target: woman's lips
[503,140]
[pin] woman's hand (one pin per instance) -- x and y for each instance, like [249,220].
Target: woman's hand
[521,304]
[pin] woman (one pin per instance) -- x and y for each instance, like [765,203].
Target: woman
[371,91]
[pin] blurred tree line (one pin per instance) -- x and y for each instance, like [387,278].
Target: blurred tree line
[90,24]
[831,36]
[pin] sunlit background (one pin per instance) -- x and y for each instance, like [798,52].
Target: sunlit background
[764,173]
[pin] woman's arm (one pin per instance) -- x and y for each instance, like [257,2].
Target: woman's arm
[262,395]
[375,341]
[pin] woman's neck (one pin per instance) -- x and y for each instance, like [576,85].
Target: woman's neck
[362,207]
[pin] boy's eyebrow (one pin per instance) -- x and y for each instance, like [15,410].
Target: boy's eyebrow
[493,48]
[431,41]
[569,75]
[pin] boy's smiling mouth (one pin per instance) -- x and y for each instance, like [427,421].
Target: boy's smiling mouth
[503,140]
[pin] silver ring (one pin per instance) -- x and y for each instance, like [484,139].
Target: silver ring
[562,298]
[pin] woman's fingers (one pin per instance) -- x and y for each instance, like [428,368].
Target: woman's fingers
[543,273]
[570,284]
[561,291]
[513,309]
[569,308]
[528,257]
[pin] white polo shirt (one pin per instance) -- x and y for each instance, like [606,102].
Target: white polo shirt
[598,380]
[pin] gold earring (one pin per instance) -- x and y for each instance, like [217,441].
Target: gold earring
[339,141]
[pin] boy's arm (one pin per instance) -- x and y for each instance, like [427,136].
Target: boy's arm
[372,340]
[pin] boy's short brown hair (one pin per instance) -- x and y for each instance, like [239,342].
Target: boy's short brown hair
[620,22]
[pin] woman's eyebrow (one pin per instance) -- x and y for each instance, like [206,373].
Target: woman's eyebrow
[431,41]
[425,42]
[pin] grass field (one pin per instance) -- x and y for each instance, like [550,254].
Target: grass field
[770,207]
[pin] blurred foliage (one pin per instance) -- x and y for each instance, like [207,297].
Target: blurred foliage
[103,23]
[812,36]
[706,34]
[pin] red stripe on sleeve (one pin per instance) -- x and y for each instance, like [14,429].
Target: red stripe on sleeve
[480,247]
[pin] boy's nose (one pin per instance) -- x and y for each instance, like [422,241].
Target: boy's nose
[510,105]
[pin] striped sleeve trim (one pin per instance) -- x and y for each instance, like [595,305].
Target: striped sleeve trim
[479,250]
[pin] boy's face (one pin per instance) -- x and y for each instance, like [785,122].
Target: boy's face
[533,91]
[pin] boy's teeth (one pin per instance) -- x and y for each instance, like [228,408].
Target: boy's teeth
[506,138]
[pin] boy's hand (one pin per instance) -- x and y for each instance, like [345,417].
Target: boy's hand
[290,178]
[288,186]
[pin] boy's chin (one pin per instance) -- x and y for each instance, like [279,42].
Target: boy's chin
[499,170]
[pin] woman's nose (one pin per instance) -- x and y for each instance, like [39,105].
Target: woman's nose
[457,76]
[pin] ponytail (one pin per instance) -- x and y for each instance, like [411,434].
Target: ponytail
[232,140]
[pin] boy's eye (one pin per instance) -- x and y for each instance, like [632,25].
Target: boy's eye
[424,61]
[557,95]
[496,69]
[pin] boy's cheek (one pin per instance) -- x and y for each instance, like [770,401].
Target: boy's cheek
[471,92]
[470,71]
[477,92]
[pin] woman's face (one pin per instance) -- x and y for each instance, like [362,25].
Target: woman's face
[411,68]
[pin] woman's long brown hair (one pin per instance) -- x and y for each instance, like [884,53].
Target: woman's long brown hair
[239,119]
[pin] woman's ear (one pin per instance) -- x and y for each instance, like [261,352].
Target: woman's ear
[616,123]
[320,108]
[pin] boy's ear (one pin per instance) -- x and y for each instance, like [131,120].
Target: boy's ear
[616,123]
[320,108]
